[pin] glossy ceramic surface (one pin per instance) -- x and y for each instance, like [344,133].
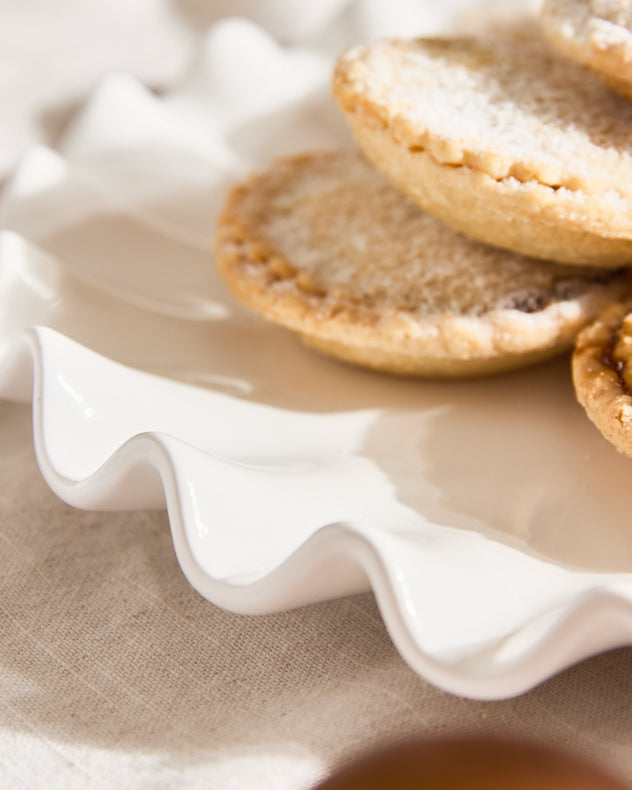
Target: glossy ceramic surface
[489,517]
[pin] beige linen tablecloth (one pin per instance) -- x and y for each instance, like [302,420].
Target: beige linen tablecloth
[114,671]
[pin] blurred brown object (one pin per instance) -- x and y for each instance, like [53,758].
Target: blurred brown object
[476,763]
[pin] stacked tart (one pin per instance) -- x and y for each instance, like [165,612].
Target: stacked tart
[483,224]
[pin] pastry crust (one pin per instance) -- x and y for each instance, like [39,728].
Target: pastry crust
[504,140]
[597,33]
[602,374]
[325,246]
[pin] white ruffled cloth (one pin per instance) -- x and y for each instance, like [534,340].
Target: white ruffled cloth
[114,671]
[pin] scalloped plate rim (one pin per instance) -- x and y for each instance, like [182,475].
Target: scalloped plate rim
[595,620]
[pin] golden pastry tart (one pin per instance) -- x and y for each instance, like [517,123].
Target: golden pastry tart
[602,374]
[324,245]
[499,137]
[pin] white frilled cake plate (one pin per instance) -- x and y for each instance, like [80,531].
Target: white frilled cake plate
[489,517]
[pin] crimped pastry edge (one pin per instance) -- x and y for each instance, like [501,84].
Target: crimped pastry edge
[529,218]
[533,218]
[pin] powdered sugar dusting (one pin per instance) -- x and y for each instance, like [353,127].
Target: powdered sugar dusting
[509,107]
[602,23]
[619,12]
[599,25]
[337,219]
